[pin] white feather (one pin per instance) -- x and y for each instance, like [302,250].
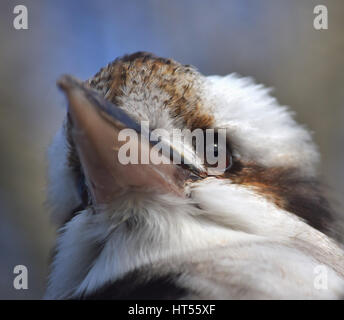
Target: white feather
[260,129]
[170,229]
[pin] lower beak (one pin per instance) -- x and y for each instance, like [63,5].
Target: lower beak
[95,130]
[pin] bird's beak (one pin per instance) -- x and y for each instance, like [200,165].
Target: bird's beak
[95,127]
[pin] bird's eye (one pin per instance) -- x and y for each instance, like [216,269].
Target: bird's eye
[216,150]
[218,154]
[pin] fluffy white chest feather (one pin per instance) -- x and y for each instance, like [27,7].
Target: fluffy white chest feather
[240,247]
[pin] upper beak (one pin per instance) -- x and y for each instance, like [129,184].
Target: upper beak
[96,124]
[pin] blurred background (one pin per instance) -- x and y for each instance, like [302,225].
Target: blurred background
[272,41]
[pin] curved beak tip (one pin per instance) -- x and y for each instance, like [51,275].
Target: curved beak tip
[67,82]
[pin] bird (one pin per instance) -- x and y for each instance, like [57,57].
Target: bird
[262,228]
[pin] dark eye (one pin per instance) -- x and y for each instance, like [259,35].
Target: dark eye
[217,150]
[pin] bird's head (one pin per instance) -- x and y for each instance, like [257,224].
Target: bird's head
[265,181]
[266,151]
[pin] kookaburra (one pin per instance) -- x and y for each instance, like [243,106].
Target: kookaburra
[261,229]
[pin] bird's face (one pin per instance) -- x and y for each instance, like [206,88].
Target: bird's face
[264,147]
